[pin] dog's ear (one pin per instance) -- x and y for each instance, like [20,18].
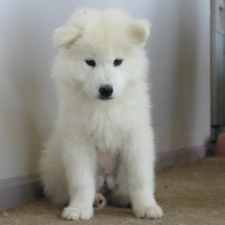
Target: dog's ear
[66,35]
[139,31]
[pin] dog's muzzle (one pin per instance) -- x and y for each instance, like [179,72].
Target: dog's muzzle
[105,92]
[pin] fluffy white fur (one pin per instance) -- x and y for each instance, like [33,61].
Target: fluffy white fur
[92,134]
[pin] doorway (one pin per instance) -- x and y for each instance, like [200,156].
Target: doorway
[217,68]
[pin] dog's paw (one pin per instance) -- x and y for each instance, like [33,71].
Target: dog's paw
[77,213]
[100,201]
[148,212]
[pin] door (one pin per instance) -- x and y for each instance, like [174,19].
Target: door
[217,67]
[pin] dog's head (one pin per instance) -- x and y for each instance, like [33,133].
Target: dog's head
[102,51]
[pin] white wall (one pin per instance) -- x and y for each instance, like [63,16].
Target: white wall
[180,59]
[180,73]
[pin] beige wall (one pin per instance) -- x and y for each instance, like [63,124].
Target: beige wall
[179,53]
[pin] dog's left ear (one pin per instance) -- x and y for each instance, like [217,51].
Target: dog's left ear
[66,35]
[139,31]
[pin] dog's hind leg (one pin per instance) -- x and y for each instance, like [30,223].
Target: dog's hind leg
[100,201]
[52,172]
[119,198]
[119,195]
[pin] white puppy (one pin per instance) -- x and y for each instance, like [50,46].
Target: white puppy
[102,141]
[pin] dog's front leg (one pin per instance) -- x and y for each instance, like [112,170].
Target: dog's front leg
[79,164]
[139,166]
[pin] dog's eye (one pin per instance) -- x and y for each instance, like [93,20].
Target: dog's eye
[90,62]
[117,62]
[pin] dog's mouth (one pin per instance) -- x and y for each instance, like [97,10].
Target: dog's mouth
[104,98]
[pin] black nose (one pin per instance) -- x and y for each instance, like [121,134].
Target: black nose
[105,91]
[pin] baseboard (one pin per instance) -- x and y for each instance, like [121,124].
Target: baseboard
[171,158]
[19,190]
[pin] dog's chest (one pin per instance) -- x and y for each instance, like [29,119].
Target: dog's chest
[107,130]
